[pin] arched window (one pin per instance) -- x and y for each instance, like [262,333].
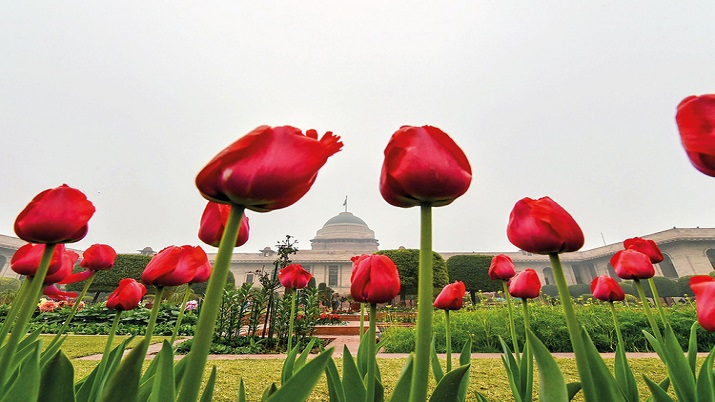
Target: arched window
[711,256]
[3,261]
[667,267]
[612,273]
[548,276]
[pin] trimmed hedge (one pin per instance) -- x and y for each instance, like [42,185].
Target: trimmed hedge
[407,261]
[473,270]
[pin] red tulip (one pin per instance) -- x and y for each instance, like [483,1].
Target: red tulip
[525,284]
[451,296]
[58,215]
[69,258]
[98,257]
[174,266]
[502,267]
[632,264]
[543,227]
[53,292]
[696,122]
[268,168]
[607,289]
[423,165]
[647,247]
[127,295]
[203,273]
[704,288]
[294,277]
[27,259]
[374,279]
[213,223]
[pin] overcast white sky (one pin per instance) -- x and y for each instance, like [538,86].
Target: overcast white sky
[575,100]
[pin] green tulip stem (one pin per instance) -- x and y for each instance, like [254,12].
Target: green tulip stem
[579,348]
[14,310]
[617,327]
[420,373]
[75,307]
[646,309]
[112,332]
[203,335]
[448,340]
[294,296]
[362,319]
[371,355]
[512,323]
[29,304]
[525,307]
[152,318]
[181,313]
[656,298]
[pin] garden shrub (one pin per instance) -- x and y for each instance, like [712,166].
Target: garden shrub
[579,289]
[473,270]
[12,284]
[407,262]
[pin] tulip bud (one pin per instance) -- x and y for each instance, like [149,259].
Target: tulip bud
[525,284]
[26,259]
[632,264]
[696,123]
[647,247]
[98,257]
[607,289]
[374,279]
[294,277]
[543,227]
[502,267]
[127,295]
[174,266]
[451,297]
[213,223]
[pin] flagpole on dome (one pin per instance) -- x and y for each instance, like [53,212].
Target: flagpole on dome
[345,203]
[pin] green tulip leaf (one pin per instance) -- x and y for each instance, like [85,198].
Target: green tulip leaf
[300,362]
[480,397]
[163,384]
[679,371]
[552,386]
[526,373]
[436,365]
[603,380]
[705,379]
[270,390]
[49,353]
[207,396]
[573,388]
[299,387]
[465,357]
[624,375]
[352,380]
[447,389]
[335,386]
[693,346]
[657,393]
[56,384]
[288,364]
[512,371]
[123,385]
[404,381]
[27,386]
[241,391]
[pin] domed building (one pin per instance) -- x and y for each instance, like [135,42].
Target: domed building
[345,232]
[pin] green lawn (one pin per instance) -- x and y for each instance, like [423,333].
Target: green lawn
[85,345]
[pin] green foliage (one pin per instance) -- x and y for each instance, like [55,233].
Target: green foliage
[551,290]
[125,266]
[579,289]
[408,261]
[12,284]
[666,287]
[684,286]
[200,288]
[473,270]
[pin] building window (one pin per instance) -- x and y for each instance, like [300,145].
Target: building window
[548,276]
[711,256]
[667,267]
[333,275]
[612,273]
[307,268]
[249,277]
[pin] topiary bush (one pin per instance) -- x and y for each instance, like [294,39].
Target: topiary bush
[473,270]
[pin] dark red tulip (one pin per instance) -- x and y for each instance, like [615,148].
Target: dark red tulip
[632,264]
[502,267]
[53,292]
[607,289]
[213,223]
[374,279]
[543,227]
[696,122]
[451,297]
[423,165]
[98,257]
[27,259]
[174,266]
[127,295]
[294,277]
[704,288]
[268,168]
[647,247]
[525,284]
[69,258]
[203,273]
[57,215]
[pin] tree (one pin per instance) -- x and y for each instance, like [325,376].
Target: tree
[473,270]
[408,261]
[125,266]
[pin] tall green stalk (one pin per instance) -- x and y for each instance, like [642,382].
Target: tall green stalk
[181,313]
[29,304]
[294,296]
[362,319]
[656,298]
[525,307]
[617,327]
[15,309]
[589,390]
[203,334]
[420,373]
[448,340]
[512,324]
[75,307]
[646,309]
[371,352]
[152,318]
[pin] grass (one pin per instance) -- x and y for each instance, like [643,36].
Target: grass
[86,345]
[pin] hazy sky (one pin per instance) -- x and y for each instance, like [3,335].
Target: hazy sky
[127,101]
